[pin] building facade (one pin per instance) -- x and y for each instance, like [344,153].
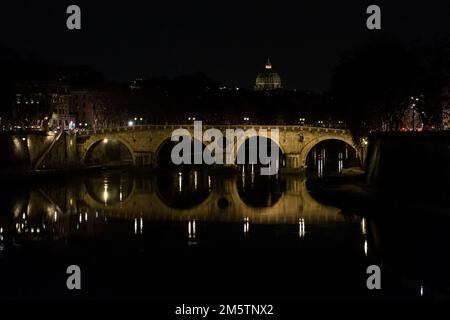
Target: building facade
[43,106]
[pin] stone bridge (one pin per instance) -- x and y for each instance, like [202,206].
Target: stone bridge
[145,142]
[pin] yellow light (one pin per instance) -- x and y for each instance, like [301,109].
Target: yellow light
[105,193]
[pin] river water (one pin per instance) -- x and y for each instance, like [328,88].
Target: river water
[204,235]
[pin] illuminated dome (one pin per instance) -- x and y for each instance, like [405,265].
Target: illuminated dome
[268,80]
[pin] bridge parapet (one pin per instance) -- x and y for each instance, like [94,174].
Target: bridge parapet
[220,127]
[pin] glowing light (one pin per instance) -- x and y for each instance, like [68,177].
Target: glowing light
[366,247]
[341,162]
[301,228]
[191,230]
[320,168]
[195,180]
[180,182]
[130,123]
[105,140]
[366,142]
[363,226]
[105,193]
[246,225]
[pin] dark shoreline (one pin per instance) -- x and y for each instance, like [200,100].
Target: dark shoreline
[354,194]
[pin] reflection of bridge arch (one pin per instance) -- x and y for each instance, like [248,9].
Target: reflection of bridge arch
[173,187]
[104,195]
[91,145]
[311,144]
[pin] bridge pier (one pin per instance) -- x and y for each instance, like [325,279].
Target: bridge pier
[294,163]
[143,159]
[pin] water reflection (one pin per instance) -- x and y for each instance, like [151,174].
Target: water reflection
[330,157]
[196,207]
[84,204]
[414,247]
[257,190]
[183,189]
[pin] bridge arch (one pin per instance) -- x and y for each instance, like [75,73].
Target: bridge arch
[165,145]
[92,145]
[311,144]
[243,141]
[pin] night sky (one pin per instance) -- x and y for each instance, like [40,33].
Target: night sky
[228,41]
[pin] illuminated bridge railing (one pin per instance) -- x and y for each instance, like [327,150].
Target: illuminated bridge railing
[220,127]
